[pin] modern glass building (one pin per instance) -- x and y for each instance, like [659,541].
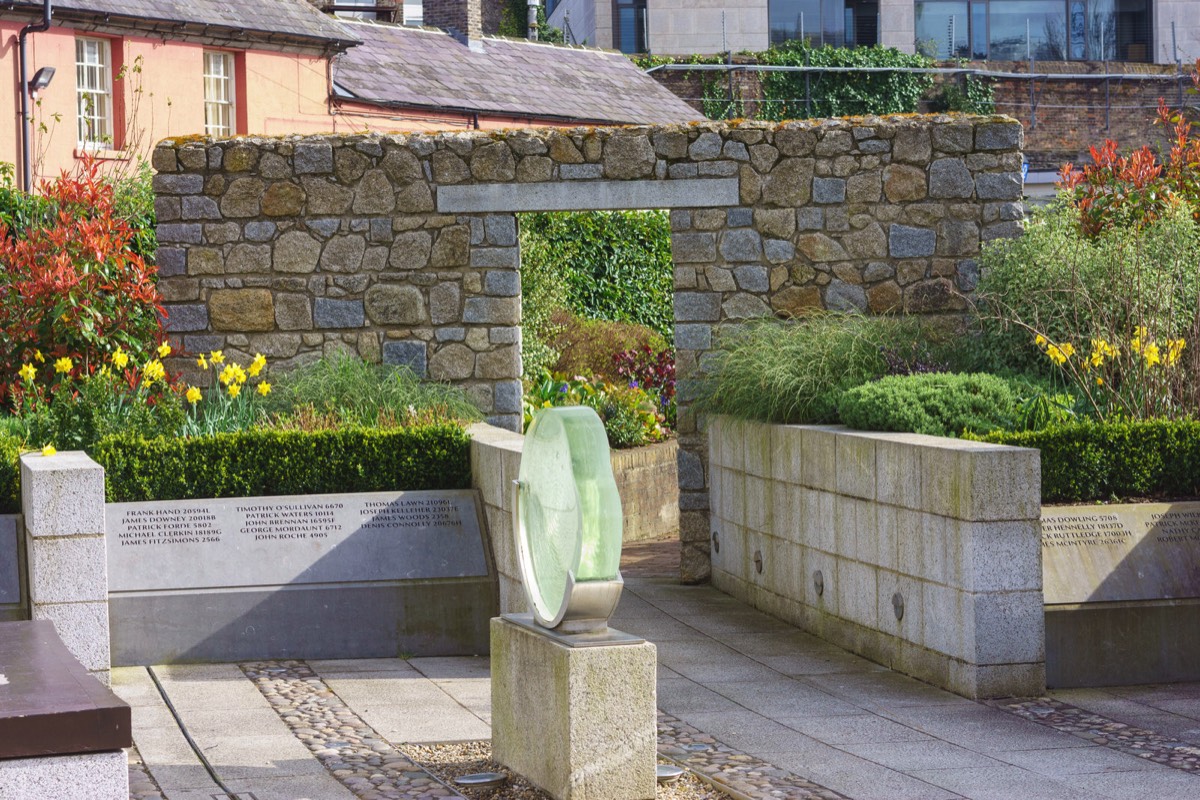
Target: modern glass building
[1047,30]
[1161,31]
[999,30]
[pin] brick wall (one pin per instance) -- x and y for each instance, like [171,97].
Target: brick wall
[464,17]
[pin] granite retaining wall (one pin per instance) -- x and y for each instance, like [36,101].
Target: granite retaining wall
[918,552]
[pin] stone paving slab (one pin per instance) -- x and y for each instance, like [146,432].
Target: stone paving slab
[768,714]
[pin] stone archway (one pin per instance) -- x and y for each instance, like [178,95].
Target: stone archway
[404,248]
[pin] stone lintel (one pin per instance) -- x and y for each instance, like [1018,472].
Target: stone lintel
[587,196]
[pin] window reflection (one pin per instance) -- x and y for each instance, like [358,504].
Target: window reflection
[1053,30]
[837,23]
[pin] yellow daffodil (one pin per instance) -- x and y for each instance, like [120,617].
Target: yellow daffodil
[48,450]
[1059,353]
[164,350]
[153,371]
[235,389]
[232,374]
[1174,350]
[27,372]
[38,357]
[202,362]
[264,388]
[216,357]
[120,359]
[105,371]
[193,395]
[63,365]
[1099,381]
[256,366]
[1040,341]
[1151,354]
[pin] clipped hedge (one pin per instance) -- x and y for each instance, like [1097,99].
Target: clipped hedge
[10,475]
[1088,461]
[937,404]
[274,462]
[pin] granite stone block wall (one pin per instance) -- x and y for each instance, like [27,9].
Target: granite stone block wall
[404,249]
[921,553]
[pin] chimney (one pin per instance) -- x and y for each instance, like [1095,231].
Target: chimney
[461,18]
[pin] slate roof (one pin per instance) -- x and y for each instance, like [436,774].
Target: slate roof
[290,18]
[407,66]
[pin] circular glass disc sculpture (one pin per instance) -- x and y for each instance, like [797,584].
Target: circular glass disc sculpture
[567,518]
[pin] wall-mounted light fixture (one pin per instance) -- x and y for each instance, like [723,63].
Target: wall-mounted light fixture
[40,80]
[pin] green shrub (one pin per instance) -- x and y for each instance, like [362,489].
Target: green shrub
[589,347]
[796,371]
[352,392]
[937,404]
[10,474]
[1055,281]
[270,462]
[1088,461]
[613,265]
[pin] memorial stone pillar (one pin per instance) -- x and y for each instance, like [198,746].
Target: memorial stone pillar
[62,500]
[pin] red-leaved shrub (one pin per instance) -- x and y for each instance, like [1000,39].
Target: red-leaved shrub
[73,288]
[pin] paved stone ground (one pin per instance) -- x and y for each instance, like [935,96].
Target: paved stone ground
[744,699]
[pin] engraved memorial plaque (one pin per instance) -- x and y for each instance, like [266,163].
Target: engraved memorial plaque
[310,539]
[1116,553]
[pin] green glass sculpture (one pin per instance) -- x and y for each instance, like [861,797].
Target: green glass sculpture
[567,518]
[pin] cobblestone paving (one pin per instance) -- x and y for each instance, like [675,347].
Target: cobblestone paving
[1105,731]
[350,749]
[142,785]
[746,775]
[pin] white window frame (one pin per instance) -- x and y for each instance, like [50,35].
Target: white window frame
[217,106]
[93,93]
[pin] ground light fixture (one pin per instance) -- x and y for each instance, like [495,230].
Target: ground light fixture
[481,780]
[40,80]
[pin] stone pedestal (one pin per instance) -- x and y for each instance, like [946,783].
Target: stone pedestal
[62,498]
[580,722]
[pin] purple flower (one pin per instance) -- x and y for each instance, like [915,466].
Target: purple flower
[633,384]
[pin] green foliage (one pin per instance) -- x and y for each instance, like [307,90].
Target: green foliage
[796,372]
[590,346]
[20,212]
[1087,461]
[613,265]
[354,392]
[974,95]
[937,404]
[841,94]
[270,462]
[514,22]
[830,94]
[631,417]
[101,405]
[10,474]
[133,201]
[1069,287]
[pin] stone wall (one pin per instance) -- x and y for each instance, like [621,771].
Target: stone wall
[920,553]
[648,482]
[404,250]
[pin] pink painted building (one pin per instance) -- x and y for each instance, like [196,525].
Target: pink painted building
[129,73]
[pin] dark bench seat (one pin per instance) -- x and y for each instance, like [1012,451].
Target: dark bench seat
[49,704]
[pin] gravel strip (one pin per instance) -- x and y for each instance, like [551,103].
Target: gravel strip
[371,767]
[747,776]
[449,761]
[350,749]
[142,785]
[1104,731]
